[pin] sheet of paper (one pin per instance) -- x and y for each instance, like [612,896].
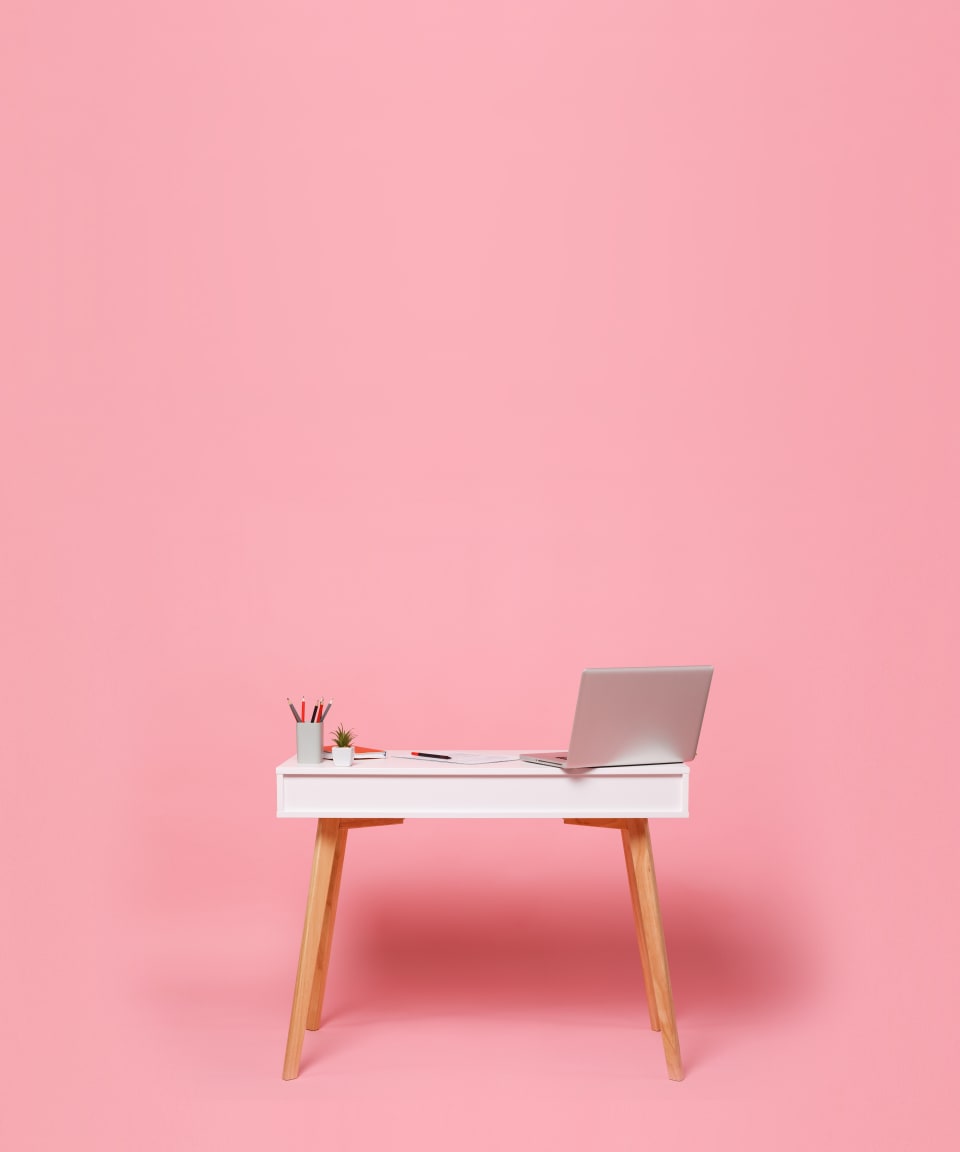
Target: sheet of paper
[461,757]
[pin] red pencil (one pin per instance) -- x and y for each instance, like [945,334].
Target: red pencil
[303,711]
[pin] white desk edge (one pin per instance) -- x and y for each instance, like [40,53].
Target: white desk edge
[397,787]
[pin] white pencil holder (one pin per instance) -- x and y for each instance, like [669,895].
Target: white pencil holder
[309,743]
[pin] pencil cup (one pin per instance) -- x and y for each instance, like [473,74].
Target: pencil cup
[309,743]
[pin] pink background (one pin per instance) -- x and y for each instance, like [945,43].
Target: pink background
[421,354]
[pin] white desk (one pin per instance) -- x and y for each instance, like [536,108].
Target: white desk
[390,789]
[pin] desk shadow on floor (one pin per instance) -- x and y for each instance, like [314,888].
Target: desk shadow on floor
[735,959]
[730,957]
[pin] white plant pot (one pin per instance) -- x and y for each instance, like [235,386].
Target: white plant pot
[342,757]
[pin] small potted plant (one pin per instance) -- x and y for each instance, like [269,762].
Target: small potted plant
[342,748]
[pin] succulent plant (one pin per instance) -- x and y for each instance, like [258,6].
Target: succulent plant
[343,737]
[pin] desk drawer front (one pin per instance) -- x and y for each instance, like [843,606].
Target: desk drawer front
[482,797]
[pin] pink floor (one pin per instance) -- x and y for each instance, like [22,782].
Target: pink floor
[485,988]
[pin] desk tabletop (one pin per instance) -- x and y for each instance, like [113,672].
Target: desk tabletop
[396,786]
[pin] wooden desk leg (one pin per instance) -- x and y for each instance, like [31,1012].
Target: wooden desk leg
[324,855]
[641,938]
[326,934]
[641,853]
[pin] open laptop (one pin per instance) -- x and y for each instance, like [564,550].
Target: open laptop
[634,716]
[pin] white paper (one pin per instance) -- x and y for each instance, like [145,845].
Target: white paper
[461,757]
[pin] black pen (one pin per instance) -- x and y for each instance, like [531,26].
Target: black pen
[433,755]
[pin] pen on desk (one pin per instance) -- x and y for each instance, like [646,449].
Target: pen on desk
[313,714]
[323,714]
[293,710]
[433,755]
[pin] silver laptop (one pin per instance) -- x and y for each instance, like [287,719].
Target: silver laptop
[634,716]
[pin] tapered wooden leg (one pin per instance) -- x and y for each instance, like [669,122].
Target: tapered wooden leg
[641,938]
[324,854]
[326,934]
[641,853]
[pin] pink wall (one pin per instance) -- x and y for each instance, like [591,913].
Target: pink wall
[422,354]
